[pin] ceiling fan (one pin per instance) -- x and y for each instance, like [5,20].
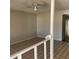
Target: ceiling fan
[38,5]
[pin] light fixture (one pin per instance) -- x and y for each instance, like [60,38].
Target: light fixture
[35,8]
[36,5]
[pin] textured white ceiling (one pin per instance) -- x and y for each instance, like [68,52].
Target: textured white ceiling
[22,5]
[61,4]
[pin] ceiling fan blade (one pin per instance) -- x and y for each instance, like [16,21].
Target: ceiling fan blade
[42,3]
[39,5]
[29,6]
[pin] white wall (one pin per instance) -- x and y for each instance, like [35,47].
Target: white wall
[67,27]
[58,24]
[43,24]
[23,26]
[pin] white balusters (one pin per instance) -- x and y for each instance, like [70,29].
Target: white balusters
[35,52]
[19,56]
[45,54]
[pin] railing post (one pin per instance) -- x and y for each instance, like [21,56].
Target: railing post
[52,27]
[45,52]
[51,49]
[35,52]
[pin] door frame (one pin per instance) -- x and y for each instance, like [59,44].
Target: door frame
[65,17]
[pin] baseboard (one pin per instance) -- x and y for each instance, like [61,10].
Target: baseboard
[58,39]
[18,41]
[42,36]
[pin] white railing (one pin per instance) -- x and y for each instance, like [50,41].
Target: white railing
[18,55]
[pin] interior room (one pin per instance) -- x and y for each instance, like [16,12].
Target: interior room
[30,27]
[61,29]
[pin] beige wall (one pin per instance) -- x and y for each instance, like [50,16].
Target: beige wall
[67,27]
[27,25]
[23,26]
[58,24]
[43,24]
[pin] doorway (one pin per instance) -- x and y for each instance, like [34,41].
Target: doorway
[65,28]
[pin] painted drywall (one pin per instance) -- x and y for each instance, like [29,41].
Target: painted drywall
[22,26]
[43,24]
[67,27]
[58,24]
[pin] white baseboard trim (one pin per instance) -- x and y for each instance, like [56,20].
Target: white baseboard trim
[18,41]
[58,39]
[42,36]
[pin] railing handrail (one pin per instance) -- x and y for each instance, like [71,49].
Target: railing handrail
[27,49]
